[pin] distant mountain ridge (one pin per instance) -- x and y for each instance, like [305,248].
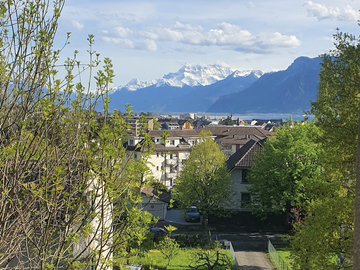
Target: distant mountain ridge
[241,92]
[192,88]
[287,91]
[190,75]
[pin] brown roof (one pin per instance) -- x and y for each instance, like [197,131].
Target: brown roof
[176,133]
[244,157]
[237,139]
[241,130]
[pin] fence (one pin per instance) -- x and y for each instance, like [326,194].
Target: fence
[274,256]
[228,245]
[232,251]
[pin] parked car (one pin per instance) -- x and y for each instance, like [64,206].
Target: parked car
[157,231]
[192,214]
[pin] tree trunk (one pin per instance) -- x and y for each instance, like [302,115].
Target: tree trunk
[356,247]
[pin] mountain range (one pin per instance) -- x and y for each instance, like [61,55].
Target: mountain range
[216,88]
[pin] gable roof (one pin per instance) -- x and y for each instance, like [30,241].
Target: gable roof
[244,156]
[239,130]
[176,133]
[163,196]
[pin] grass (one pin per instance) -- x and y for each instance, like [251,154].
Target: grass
[284,254]
[180,262]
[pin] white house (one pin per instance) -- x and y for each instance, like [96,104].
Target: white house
[154,202]
[166,161]
[238,165]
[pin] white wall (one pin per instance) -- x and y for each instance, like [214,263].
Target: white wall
[157,208]
[237,188]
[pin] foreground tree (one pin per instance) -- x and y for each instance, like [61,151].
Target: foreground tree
[63,173]
[325,240]
[204,178]
[168,246]
[283,170]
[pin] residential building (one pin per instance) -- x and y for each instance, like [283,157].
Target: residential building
[154,202]
[188,115]
[137,127]
[166,160]
[186,123]
[238,164]
[232,138]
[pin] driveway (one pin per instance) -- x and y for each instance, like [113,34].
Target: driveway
[250,249]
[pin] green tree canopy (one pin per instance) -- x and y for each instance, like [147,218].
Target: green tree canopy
[288,162]
[327,232]
[204,178]
[64,175]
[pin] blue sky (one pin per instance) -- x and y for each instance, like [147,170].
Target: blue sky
[147,39]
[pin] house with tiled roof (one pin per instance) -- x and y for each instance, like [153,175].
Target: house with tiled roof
[186,123]
[238,164]
[232,138]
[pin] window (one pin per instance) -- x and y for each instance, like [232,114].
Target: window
[131,142]
[172,142]
[157,155]
[245,200]
[157,168]
[135,156]
[171,156]
[244,176]
[157,140]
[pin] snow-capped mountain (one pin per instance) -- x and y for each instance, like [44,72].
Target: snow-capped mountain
[197,75]
[191,88]
[244,73]
[216,88]
[135,84]
[191,75]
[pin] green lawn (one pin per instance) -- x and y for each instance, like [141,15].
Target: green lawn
[181,261]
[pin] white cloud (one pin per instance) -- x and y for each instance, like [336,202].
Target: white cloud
[225,35]
[187,27]
[278,40]
[322,12]
[122,42]
[77,25]
[228,34]
[122,32]
[150,45]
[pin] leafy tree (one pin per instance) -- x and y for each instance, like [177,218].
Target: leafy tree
[65,176]
[210,260]
[168,246]
[156,124]
[204,178]
[283,170]
[327,232]
[228,121]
